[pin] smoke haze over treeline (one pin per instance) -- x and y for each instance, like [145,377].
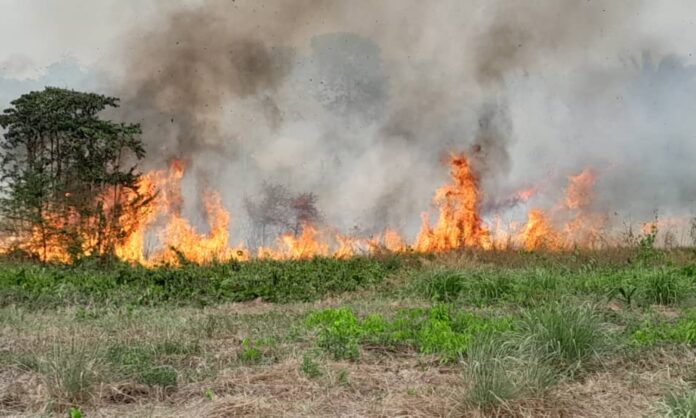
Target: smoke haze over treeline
[358,102]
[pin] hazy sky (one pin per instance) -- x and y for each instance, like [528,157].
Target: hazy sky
[37,33]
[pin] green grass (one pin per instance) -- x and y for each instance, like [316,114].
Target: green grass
[566,336]
[498,370]
[679,405]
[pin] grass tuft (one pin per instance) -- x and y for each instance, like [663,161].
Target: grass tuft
[679,405]
[71,373]
[566,336]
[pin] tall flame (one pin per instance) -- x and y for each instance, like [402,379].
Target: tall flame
[459,223]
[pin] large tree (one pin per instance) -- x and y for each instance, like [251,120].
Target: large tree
[67,174]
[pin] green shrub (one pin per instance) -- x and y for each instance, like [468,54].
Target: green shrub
[339,333]
[41,286]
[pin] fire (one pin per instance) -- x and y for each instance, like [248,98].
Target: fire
[580,190]
[538,232]
[459,223]
[158,219]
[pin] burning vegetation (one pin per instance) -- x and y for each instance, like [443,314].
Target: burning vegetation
[147,225]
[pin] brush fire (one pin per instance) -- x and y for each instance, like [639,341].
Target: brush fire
[157,233]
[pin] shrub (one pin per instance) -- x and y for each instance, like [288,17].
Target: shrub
[85,284]
[652,332]
[339,333]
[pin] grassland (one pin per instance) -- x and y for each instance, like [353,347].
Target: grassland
[585,333]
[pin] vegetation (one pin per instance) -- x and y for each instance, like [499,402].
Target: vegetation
[63,172]
[514,334]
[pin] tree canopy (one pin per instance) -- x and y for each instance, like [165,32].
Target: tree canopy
[67,174]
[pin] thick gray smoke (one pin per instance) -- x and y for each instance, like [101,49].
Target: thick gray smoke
[358,102]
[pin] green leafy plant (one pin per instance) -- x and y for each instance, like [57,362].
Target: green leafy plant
[309,367]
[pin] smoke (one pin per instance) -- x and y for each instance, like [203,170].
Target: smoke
[358,102]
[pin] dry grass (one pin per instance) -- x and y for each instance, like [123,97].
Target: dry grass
[383,384]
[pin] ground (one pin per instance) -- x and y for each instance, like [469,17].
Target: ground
[592,334]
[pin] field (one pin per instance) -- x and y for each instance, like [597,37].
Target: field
[481,333]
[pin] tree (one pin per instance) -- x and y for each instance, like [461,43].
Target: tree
[67,175]
[278,211]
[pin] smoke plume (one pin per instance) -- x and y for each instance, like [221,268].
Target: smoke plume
[358,102]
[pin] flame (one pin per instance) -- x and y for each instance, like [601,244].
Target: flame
[459,223]
[538,232]
[573,221]
[580,190]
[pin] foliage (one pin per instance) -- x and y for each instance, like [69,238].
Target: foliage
[440,330]
[652,332]
[63,172]
[634,284]
[255,352]
[85,284]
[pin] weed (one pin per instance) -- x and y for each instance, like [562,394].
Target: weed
[339,333]
[309,367]
[438,330]
[652,332]
[255,352]
[74,412]
[209,394]
[487,372]
[440,285]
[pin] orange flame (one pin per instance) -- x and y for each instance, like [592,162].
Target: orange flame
[459,223]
